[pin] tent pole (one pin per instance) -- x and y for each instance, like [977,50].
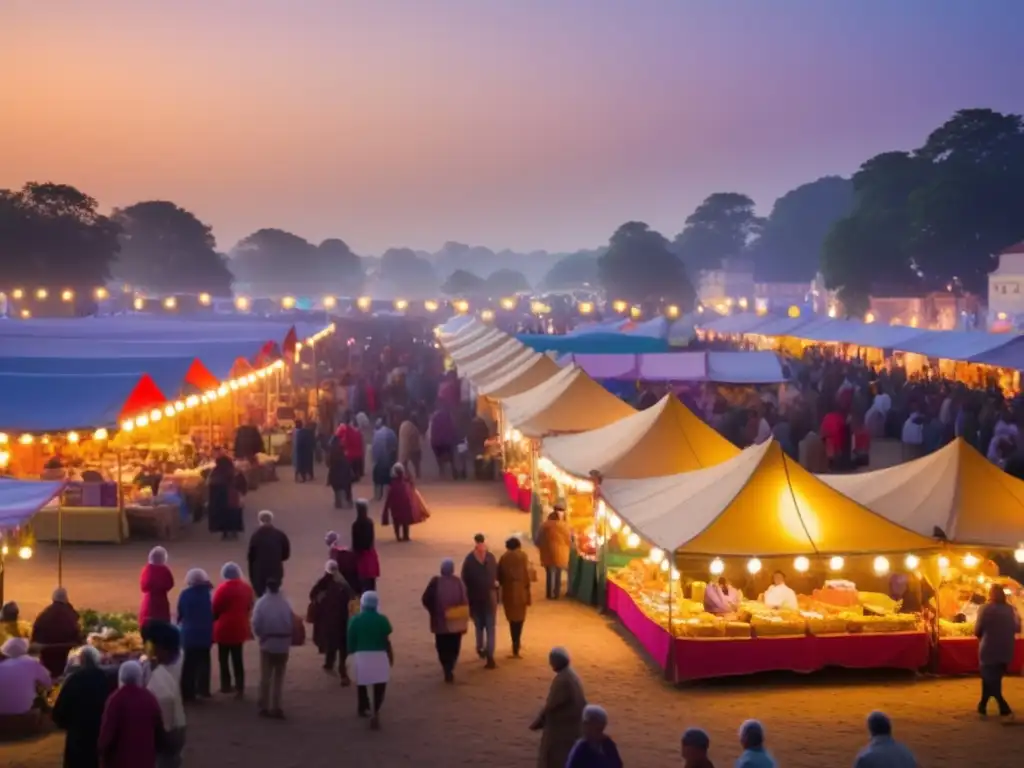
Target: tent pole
[2,568]
[120,500]
[60,541]
[670,662]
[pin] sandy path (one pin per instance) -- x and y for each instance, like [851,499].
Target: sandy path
[811,722]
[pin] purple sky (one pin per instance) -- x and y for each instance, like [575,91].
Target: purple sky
[507,123]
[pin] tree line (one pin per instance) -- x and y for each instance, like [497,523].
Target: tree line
[906,221]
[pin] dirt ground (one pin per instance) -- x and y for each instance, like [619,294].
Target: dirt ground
[482,720]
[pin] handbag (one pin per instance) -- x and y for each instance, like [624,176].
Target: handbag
[311,612]
[456,618]
[298,631]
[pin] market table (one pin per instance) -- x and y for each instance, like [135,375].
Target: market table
[959,656]
[93,525]
[160,520]
[654,639]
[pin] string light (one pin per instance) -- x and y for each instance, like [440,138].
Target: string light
[102,293]
[801,564]
[26,314]
[743,302]
[508,304]
[912,561]
[100,434]
[753,566]
[656,555]
[364,302]
[401,304]
[881,565]
[836,563]
[73,437]
[42,293]
[242,304]
[139,303]
[204,299]
[170,302]
[26,439]
[67,295]
[619,305]
[635,312]
[869,318]
[586,307]
[17,293]
[717,567]
[430,305]
[632,541]
[970,561]
[330,302]
[672,311]
[548,467]
[943,562]
[615,523]
[1018,554]
[288,302]
[25,553]
[487,315]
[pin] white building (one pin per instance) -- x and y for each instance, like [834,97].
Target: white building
[1006,289]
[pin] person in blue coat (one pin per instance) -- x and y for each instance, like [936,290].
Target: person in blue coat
[195,619]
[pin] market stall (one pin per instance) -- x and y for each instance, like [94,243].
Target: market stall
[744,523]
[483,345]
[20,500]
[977,508]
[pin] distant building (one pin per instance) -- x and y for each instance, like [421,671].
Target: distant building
[731,285]
[1006,290]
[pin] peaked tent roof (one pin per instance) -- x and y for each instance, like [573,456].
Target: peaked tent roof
[457,324]
[476,370]
[484,346]
[42,402]
[468,329]
[467,338]
[523,375]
[20,499]
[666,439]
[955,489]
[569,401]
[757,504]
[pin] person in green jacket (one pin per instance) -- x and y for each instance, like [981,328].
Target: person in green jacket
[369,647]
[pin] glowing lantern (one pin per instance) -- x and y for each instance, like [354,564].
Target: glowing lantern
[672,311]
[912,561]
[869,317]
[801,564]
[619,305]
[288,302]
[586,307]
[330,302]
[100,434]
[881,565]
[836,563]
[42,293]
[139,304]
[242,304]
[430,305]
[205,299]
[487,315]
[717,567]
[401,304]
[67,295]
[794,311]
[753,566]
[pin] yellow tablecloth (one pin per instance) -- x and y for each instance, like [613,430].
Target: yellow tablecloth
[81,524]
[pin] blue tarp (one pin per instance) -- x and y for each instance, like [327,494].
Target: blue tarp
[20,499]
[168,373]
[743,322]
[31,402]
[130,327]
[1008,355]
[656,328]
[607,326]
[872,335]
[595,343]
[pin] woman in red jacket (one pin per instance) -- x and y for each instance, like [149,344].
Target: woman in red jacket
[232,607]
[156,581]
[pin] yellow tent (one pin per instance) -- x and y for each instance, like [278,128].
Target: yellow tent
[757,504]
[569,401]
[663,440]
[955,489]
[514,379]
[484,346]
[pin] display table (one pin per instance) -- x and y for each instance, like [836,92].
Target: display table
[583,579]
[103,525]
[703,658]
[959,656]
[511,487]
[162,521]
[524,496]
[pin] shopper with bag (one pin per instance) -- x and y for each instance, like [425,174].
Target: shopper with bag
[447,602]
[274,625]
[398,506]
[369,647]
[514,577]
[328,612]
[367,562]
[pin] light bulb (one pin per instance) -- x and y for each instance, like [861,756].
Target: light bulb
[881,565]
[632,541]
[101,293]
[330,302]
[626,530]
[204,299]
[717,567]
[4,550]
[674,575]
[970,561]
[487,315]
[664,566]
[142,421]
[912,561]
[1018,554]
[73,437]
[169,411]
[26,439]
[100,434]
[430,306]
[614,522]
[754,565]
[139,304]
[801,564]
[943,562]
[25,553]
[401,304]
[656,555]
[42,293]
[170,302]
[67,295]
[241,304]
[156,414]
[127,426]
[288,302]
[836,563]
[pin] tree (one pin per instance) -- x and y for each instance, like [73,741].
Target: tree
[721,227]
[463,283]
[406,273]
[506,282]
[639,266]
[340,267]
[791,241]
[54,232]
[577,270]
[470,258]
[276,261]
[166,248]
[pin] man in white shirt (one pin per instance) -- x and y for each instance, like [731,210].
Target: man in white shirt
[779,595]
[164,682]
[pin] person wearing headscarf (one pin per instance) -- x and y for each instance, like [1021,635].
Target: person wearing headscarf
[195,617]
[329,601]
[398,506]
[232,605]
[78,710]
[227,489]
[365,427]
[447,602]
[754,753]
[269,549]
[344,557]
[554,542]
[57,632]
[595,749]
[339,475]
[23,683]
[410,448]
[132,727]
[514,581]
[164,680]
[384,450]
[369,644]
[273,623]
[367,562]
[559,720]
[155,581]
[11,624]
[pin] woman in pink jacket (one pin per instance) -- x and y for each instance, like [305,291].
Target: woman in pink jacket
[156,581]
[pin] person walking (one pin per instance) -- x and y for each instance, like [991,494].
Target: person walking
[514,580]
[369,644]
[132,728]
[554,540]
[443,439]
[367,562]
[156,581]
[269,550]
[559,721]
[595,749]
[339,475]
[883,751]
[78,710]
[164,681]
[399,503]
[996,628]
[329,601]
[447,602]
[410,448]
[303,451]
[384,450]
[754,753]
[227,489]
[695,746]
[480,575]
[195,618]
[232,605]
[273,624]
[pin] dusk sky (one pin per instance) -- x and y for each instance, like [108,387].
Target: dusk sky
[507,123]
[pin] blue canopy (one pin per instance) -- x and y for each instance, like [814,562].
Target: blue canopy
[873,335]
[607,326]
[133,327]
[742,322]
[655,328]
[20,499]
[42,402]
[595,343]
[168,373]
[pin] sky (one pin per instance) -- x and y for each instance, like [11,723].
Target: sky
[524,124]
